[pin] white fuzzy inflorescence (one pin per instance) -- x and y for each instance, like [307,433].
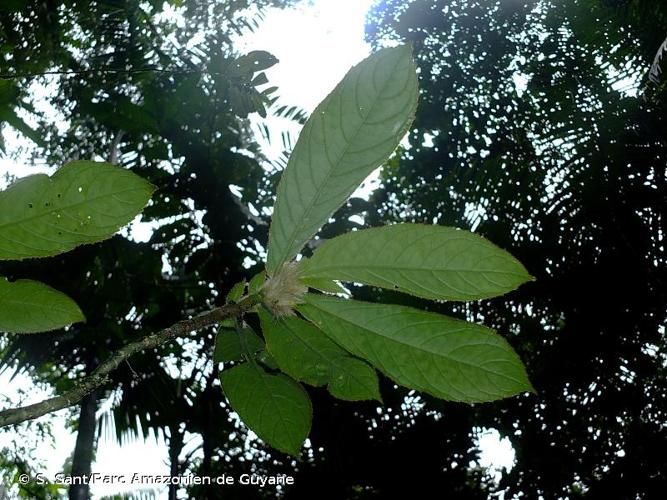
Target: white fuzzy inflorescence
[284,290]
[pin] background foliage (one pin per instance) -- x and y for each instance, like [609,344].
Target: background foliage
[537,127]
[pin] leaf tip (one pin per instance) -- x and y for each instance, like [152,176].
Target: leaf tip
[526,386]
[80,317]
[293,452]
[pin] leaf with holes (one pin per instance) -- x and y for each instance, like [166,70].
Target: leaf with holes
[433,262]
[274,407]
[307,354]
[28,306]
[83,202]
[445,357]
[353,131]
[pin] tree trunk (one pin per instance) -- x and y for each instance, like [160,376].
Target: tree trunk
[84,449]
[175,447]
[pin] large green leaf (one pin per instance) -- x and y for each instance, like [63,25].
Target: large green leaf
[305,353]
[433,262]
[274,407]
[83,202]
[445,357]
[30,306]
[348,135]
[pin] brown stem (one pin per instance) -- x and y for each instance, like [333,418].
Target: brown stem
[100,375]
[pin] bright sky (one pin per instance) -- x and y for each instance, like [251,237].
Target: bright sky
[316,44]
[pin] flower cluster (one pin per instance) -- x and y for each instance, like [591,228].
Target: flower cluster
[284,290]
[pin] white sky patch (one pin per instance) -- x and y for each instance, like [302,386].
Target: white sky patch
[51,454]
[19,167]
[17,143]
[496,452]
[148,458]
[316,45]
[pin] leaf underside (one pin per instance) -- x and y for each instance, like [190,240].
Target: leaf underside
[351,132]
[433,262]
[83,202]
[445,357]
[274,407]
[308,355]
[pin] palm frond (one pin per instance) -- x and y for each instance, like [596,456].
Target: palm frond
[140,494]
[656,67]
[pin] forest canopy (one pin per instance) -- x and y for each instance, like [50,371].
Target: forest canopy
[540,126]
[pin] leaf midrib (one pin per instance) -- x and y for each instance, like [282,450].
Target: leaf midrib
[38,305]
[300,226]
[345,320]
[393,267]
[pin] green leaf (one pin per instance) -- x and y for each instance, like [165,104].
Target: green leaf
[306,354]
[227,323]
[30,306]
[274,407]
[433,262]
[236,292]
[228,345]
[348,135]
[83,202]
[442,356]
[265,358]
[323,285]
[256,283]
